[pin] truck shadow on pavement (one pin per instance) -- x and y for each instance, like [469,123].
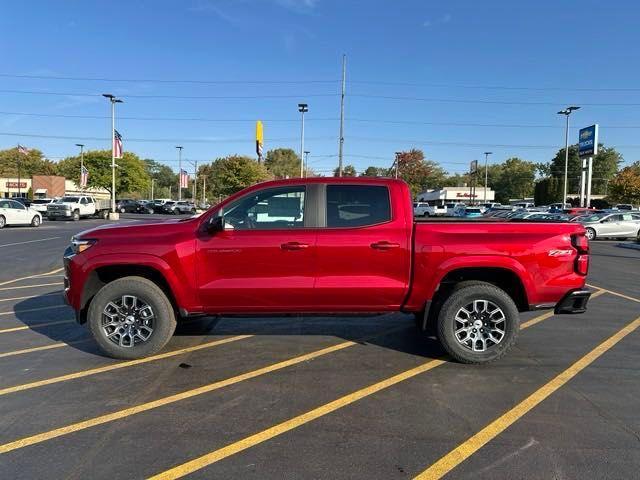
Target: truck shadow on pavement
[46,315]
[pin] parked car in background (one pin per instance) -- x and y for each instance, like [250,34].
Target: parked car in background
[76,207]
[624,206]
[524,205]
[184,206]
[40,205]
[168,207]
[15,213]
[127,205]
[145,206]
[616,225]
[23,200]
[471,212]
[423,209]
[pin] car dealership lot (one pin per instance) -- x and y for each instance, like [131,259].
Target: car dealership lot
[313,397]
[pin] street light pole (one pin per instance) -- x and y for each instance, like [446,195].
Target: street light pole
[397,163]
[566,112]
[341,140]
[179,147]
[113,101]
[81,145]
[306,158]
[302,108]
[486,173]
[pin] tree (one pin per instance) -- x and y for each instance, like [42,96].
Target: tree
[605,166]
[131,173]
[33,163]
[347,171]
[456,180]
[515,180]
[282,163]
[375,172]
[419,173]
[625,186]
[230,174]
[548,190]
[164,177]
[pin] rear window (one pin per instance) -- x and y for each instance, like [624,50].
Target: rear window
[357,205]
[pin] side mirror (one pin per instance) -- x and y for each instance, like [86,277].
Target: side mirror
[215,224]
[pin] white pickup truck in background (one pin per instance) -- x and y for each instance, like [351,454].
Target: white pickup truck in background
[78,206]
[423,209]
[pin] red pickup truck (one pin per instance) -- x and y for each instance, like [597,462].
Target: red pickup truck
[318,246]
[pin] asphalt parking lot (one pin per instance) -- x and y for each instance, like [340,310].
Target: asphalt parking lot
[313,397]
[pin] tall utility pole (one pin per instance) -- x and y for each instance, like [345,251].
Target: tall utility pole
[306,157]
[195,180]
[566,112]
[153,180]
[302,108]
[397,163]
[486,173]
[113,101]
[81,145]
[204,188]
[344,87]
[179,147]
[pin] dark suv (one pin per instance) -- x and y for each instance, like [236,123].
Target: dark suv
[127,206]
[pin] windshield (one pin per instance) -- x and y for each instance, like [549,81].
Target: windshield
[39,201]
[69,200]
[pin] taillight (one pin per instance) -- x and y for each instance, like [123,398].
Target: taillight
[581,244]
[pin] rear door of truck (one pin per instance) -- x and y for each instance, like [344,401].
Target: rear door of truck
[364,248]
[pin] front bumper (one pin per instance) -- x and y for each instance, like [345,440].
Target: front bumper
[573,302]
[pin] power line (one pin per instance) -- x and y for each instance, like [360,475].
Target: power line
[196,97]
[487,102]
[498,87]
[170,81]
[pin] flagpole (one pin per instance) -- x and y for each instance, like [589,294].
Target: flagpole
[113,101]
[18,157]
[81,145]
[179,147]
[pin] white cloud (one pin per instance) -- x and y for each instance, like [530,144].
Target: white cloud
[441,20]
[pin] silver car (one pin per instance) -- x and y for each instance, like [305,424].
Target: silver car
[618,225]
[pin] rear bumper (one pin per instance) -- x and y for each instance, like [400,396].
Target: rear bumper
[573,302]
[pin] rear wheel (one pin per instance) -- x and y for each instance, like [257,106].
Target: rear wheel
[131,317]
[591,233]
[478,323]
[3,221]
[35,221]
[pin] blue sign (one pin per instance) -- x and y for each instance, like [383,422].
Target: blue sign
[588,141]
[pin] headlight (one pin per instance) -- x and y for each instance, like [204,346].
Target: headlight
[79,246]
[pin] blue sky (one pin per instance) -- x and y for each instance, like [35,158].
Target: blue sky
[448,60]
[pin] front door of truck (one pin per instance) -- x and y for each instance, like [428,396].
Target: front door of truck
[264,258]
[364,250]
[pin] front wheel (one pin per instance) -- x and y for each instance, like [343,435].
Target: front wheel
[591,234]
[76,215]
[3,221]
[35,221]
[478,323]
[130,318]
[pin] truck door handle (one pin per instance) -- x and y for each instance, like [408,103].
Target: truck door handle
[384,245]
[294,246]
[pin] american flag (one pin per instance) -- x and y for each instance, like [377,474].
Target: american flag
[23,150]
[117,144]
[84,177]
[184,179]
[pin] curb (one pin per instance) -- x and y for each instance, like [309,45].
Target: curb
[633,246]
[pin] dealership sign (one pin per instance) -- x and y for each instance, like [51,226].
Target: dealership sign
[16,185]
[588,141]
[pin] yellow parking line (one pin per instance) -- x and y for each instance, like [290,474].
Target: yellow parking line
[39,309]
[260,437]
[32,276]
[295,422]
[116,366]
[143,407]
[34,326]
[29,296]
[31,286]
[621,295]
[44,347]
[458,455]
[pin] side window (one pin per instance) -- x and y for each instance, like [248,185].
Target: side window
[626,217]
[268,209]
[83,201]
[357,205]
[89,200]
[16,205]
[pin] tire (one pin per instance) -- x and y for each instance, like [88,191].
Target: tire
[3,221]
[487,297]
[591,234]
[193,211]
[105,214]
[150,211]
[145,291]
[76,215]
[35,221]
[426,214]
